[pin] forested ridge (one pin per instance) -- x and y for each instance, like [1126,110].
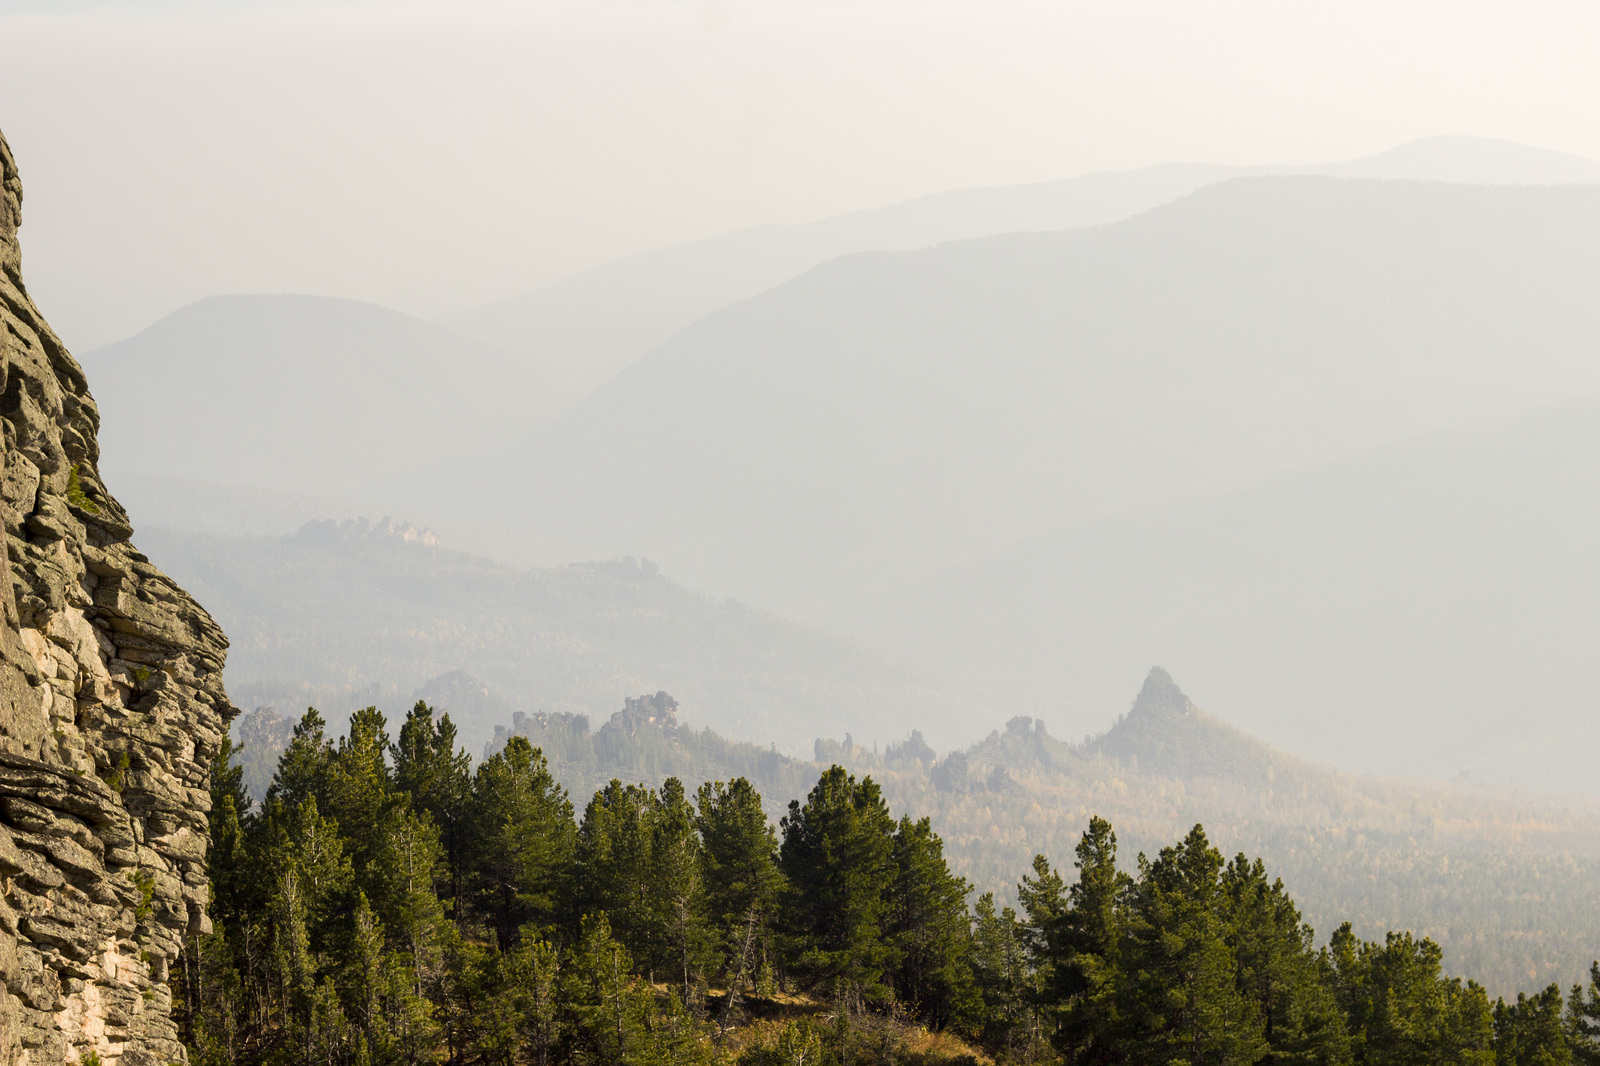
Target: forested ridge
[390,902]
[345,616]
[1507,885]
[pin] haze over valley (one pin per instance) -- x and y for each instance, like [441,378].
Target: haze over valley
[1050,456]
[749,534]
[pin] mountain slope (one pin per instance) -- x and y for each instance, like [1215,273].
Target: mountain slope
[1506,883]
[1420,608]
[308,395]
[345,616]
[1166,735]
[582,330]
[887,413]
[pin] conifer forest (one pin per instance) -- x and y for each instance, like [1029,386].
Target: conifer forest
[390,902]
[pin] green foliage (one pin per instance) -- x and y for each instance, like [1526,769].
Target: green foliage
[608,1007]
[837,858]
[75,494]
[1583,1020]
[1399,1007]
[1178,986]
[436,776]
[1531,1031]
[739,853]
[1006,981]
[798,1043]
[678,891]
[520,843]
[930,932]
[351,931]
[303,765]
[116,775]
[145,883]
[1505,890]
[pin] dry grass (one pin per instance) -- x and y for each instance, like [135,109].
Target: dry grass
[874,1039]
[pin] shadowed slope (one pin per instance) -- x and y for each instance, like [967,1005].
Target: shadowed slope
[885,414]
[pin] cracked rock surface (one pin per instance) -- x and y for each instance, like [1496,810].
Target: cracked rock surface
[111,709]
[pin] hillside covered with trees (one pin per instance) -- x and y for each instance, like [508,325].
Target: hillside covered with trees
[349,615]
[389,902]
[1508,885]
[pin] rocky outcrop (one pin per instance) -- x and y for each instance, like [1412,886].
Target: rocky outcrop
[111,709]
[1166,735]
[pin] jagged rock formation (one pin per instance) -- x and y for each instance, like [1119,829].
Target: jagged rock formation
[1165,733]
[660,711]
[111,709]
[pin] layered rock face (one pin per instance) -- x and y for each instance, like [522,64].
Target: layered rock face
[111,709]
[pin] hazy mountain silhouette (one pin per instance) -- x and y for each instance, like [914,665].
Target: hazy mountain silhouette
[308,395]
[1166,735]
[582,330]
[370,412]
[1420,608]
[350,614]
[889,412]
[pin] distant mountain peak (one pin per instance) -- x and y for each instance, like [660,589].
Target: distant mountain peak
[1470,160]
[1161,699]
[1165,733]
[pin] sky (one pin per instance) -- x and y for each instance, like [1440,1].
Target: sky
[431,156]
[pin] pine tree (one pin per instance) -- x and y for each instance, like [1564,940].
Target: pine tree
[616,865]
[437,777]
[479,1014]
[301,841]
[739,850]
[606,1009]
[1529,1032]
[229,819]
[837,857]
[930,931]
[303,766]
[1085,942]
[213,998]
[332,945]
[215,1025]
[521,841]
[536,972]
[358,791]
[1182,1002]
[365,978]
[1582,1022]
[1278,969]
[398,859]
[678,891]
[677,1037]
[407,868]
[1399,1008]
[1043,898]
[1004,980]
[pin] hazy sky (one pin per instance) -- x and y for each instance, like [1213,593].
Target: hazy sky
[430,156]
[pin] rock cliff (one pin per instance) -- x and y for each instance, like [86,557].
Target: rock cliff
[111,709]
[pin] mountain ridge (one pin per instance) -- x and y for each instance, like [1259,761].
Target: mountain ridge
[1503,881]
[311,395]
[347,619]
[1453,567]
[669,288]
[938,391]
